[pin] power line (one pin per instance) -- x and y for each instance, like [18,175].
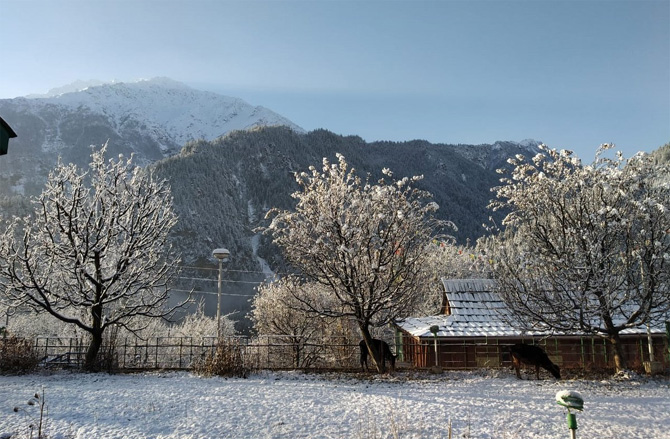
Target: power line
[222,280]
[211,293]
[226,270]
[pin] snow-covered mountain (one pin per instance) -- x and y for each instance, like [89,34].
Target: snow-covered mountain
[226,179]
[151,118]
[75,86]
[171,110]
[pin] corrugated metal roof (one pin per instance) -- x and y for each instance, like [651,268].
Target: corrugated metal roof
[476,311]
[468,285]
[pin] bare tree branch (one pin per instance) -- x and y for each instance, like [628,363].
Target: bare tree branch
[95,254]
[587,247]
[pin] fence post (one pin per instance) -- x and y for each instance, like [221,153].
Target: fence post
[594,352]
[135,354]
[181,343]
[190,352]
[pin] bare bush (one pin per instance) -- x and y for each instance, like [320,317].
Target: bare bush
[17,355]
[227,359]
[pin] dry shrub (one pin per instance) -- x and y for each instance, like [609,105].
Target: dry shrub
[226,360]
[17,355]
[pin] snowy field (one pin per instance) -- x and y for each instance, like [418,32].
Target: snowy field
[295,405]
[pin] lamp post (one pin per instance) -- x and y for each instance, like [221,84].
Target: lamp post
[222,254]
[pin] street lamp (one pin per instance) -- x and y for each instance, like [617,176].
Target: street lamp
[222,254]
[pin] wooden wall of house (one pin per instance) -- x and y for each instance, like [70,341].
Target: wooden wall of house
[585,353]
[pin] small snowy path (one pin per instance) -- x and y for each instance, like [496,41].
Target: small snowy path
[486,405]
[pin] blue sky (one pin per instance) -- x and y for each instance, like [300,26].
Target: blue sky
[573,74]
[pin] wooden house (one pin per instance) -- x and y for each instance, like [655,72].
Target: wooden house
[474,331]
[6,133]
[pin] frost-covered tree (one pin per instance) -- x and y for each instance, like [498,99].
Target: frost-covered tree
[197,324]
[275,310]
[94,254]
[364,242]
[586,247]
[447,259]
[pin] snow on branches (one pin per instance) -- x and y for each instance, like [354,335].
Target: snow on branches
[365,242]
[94,253]
[587,247]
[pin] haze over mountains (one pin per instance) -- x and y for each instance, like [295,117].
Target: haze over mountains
[227,161]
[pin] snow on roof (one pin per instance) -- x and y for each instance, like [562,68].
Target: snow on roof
[476,310]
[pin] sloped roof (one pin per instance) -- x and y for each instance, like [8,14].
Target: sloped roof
[476,311]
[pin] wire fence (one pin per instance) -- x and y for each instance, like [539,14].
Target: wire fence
[328,353]
[265,352]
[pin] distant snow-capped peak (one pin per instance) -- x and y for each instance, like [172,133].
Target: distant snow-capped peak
[75,86]
[163,104]
[530,143]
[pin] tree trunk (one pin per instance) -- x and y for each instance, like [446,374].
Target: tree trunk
[619,359]
[90,363]
[296,353]
[374,354]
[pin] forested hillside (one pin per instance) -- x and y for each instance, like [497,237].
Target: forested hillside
[223,188]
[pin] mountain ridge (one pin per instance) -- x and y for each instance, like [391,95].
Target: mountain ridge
[151,118]
[248,172]
[223,184]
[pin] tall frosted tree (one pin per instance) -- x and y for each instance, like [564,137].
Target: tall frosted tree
[364,242]
[586,247]
[94,253]
[276,311]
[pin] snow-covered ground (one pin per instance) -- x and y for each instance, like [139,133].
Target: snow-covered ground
[296,405]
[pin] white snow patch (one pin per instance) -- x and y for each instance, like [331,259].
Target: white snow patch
[295,405]
[530,143]
[265,267]
[251,212]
